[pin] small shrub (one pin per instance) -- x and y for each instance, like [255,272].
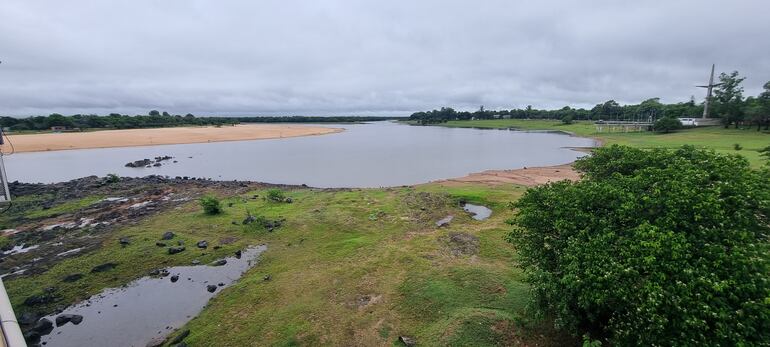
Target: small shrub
[667,124]
[112,178]
[276,195]
[211,205]
[566,120]
[737,147]
[765,152]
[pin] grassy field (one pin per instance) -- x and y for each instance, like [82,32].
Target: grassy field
[348,267]
[716,137]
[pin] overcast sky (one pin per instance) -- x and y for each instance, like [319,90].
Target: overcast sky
[368,57]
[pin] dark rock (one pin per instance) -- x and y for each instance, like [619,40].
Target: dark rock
[124,241]
[182,335]
[211,288]
[407,341]
[175,250]
[104,267]
[196,262]
[44,326]
[288,200]
[229,204]
[221,284]
[40,299]
[28,318]
[167,235]
[180,242]
[238,254]
[219,262]
[66,318]
[202,244]
[267,278]
[72,277]
[157,164]
[234,222]
[249,219]
[139,163]
[32,337]
[160,244]
[174,278]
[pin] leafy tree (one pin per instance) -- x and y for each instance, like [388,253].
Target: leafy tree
[728,98]
[210,205]
[658,247]
[566,119]
[667,124]
[154,113]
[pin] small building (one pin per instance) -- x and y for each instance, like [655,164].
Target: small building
[58,128]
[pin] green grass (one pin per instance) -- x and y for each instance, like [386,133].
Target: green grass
[324,261]
[66,207]
[716,137]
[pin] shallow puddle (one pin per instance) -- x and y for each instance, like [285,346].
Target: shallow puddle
[149,308]
[478,212]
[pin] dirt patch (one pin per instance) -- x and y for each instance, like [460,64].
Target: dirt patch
[461,244]
[527,176]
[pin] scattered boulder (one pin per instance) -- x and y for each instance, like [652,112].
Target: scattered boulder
[40,299]
[72,277]
[211,288]
[219,262]
[221,284]
[104,267]
[124,241]
[139,163]
[202,244]
[175,250]
[174,278]
[196,262]
[67,318]
[407,341]
[28,318]
[167,235]
[238,254]
[267,278]
[44,326]
[160,244]
[444,221]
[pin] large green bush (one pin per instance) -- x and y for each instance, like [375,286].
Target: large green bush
[658,247]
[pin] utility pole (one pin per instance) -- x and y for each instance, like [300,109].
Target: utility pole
[709,89]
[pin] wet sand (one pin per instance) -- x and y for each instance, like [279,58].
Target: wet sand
[531,176]
[158,136]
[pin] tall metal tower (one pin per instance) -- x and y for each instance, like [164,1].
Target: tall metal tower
[709,88]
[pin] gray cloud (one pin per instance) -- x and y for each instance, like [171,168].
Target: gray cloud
[367,57]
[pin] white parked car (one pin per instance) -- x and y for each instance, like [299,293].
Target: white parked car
[689,122]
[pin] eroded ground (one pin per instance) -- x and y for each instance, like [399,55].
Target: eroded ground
[346,267]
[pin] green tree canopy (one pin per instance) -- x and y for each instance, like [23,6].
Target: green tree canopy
[658,247]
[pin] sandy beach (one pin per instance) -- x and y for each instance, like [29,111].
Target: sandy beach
[531,176]
[158,136]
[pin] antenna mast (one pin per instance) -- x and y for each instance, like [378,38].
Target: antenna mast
[709,89]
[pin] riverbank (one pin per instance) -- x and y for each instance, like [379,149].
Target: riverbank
[528,176]
[158,136]
[345,266]
[714,137]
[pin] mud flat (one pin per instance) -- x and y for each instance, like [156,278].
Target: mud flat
[160,136]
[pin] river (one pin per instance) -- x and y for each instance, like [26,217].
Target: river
[376,154]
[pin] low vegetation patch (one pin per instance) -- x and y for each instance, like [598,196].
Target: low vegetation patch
[210,205]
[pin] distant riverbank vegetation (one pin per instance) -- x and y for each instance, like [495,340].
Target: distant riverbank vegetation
[156,119]
[727,104]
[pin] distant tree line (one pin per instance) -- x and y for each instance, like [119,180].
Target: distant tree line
[156,119]
[728,104]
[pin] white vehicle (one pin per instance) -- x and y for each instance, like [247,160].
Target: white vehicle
[689,122]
